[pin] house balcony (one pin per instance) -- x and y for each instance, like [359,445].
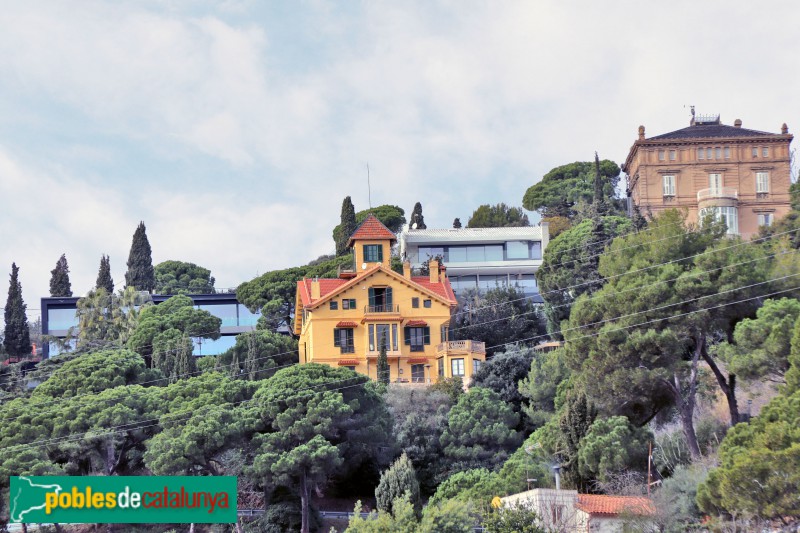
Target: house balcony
[717,197]
[382,312]
[460,348]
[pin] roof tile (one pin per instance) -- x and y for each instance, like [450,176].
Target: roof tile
[615,505]
[371,229]
[704,131]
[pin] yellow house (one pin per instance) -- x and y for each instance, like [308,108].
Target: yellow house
[343,321]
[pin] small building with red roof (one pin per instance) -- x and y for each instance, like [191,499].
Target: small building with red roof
[343,321]
[568,511]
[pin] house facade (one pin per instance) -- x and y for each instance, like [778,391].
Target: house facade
[481,258]
[343,321]
[736,175]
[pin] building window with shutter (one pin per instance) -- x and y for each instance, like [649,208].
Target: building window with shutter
[343,339]
[762,182]
[727,152]
[673,154]
[661,155]
[457,367]
[669,185]
[373,253]
[765,152]
[415,303]
[417,337]
[701,153]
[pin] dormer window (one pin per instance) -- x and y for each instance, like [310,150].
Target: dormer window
[373,253]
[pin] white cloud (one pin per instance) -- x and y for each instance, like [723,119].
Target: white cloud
[249,126]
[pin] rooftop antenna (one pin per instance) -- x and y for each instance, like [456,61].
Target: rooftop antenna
[369,189]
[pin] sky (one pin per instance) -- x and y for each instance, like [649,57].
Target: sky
[234,129]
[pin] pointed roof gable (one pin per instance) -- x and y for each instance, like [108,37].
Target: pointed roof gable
[442,291]
[371,229]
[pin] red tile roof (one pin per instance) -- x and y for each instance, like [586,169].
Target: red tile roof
[416,323]
[348,362]
[371,229]
[326,286]
[614,505]
[346,324]
[330,285]
[441,289]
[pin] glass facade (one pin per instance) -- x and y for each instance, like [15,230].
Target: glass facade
[61,319]
[526,282]
[213,347]
[481,253]
[55,349]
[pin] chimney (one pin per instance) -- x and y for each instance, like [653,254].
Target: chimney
[641,133]
[784,129]
[407,269]
[557,474]
[737,123]
[315,289]
[433,266]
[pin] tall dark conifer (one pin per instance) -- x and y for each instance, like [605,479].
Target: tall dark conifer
[141,273]
[348,226]
[59,279]
[17,339]
[383,363]
[104,280]
[417,218]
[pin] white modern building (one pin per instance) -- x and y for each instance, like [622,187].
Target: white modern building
[481,258]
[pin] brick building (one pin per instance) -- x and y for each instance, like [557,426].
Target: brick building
[737,175]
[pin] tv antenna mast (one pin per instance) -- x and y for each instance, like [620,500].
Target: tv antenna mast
[369,189]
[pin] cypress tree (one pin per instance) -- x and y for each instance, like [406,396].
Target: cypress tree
[17,339]
[417,218]
[59,279]
[383,362]
[348,225]
[141,273]
[104,280]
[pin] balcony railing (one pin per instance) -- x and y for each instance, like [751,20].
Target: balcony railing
[717,192]
[385,308]
[462,346]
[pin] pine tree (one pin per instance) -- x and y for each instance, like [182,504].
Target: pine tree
[457,223]
[59,279]
[383,362]
[104,280]
[141,273]
[398,480]
[417,220]
[347,227]
[17,339]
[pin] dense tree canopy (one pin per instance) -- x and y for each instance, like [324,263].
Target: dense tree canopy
[16,335]
[570,265]
[140,273]
[273,293]
[634,364]
[502,374]
[108,319]
[399,480]
[480,430]
[178,277]
[561,189]
[164,333]
[258,354]
[761,346]
[497,216]
[59,278]
[498,317]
